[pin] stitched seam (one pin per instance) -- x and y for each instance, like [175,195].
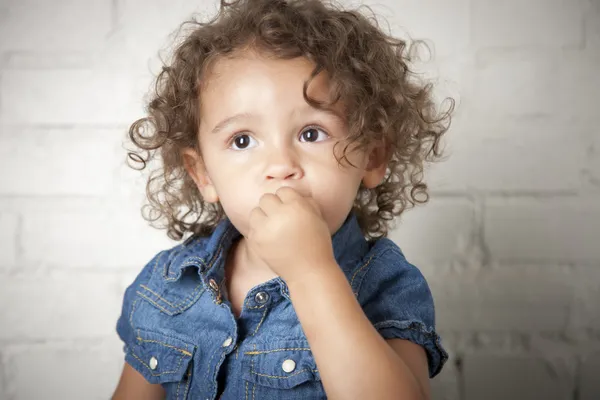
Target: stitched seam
[210,359]
[159,374]
[252,370]
[155,303]
[283,377]
[274,350]
[172,278]
[246,390]
[185,352]
[255,307]
[174,255]
[177,392]
[187,386]
[156,294]
[131,313]
[367,264]
[261,321]
[216,255]
[156,262]
[360,269]
[184,303]
[163,335]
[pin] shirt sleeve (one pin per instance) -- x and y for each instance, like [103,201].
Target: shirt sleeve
[124,327]
[397,300]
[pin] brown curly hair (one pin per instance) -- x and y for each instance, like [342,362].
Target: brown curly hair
[368,71]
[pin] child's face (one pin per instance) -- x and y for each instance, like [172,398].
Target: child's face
[257,134]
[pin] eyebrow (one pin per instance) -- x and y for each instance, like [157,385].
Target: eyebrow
[229,120]
[240,116]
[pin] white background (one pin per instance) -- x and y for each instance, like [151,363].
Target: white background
[510,242]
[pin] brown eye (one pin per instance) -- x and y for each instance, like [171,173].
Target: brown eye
[241,142]
[313,135]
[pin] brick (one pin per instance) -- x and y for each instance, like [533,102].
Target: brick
[549,230]
[588,380]
[507,162]
[111,236]
[93,370]
[584,316]
[445,386]
[41,26]
[525,299]
[513,23]
[447,223]
[9,225]
[592,26]
[518,377]
[59,306]
[58,97]
[521,86]
[146,28]
[3,379]
[41,61]
[58,161]
[593,166]
[408,18]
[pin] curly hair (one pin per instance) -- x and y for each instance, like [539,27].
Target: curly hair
[368,71]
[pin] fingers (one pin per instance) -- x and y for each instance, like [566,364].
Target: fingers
[257,217]
[287,194]
[269,202]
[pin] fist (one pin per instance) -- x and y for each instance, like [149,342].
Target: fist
[288,232]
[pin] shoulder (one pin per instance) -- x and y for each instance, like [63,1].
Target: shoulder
[160,283]
[396,298]
[384,261]
[132,292]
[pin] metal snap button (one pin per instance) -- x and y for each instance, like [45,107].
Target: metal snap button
[213,285]
[227,342]
[261,297]
[288,365]
[153,363]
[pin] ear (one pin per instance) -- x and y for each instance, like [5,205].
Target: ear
[376,166]
[194,166]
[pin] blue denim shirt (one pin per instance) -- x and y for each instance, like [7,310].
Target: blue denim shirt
[179,330]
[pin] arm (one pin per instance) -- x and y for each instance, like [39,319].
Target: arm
[133,386]
[354,361]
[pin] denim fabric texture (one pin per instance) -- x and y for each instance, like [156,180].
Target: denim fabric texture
[179,331]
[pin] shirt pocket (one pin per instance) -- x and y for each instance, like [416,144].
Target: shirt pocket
[163,360]
[281,369]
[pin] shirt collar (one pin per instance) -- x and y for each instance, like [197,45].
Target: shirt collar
[208,254]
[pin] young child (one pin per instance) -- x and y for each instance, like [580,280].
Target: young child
[290,134]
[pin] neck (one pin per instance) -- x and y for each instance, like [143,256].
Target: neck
[247,260]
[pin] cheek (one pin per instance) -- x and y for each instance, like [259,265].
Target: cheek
[335,192]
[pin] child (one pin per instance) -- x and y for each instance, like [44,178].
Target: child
[291,133]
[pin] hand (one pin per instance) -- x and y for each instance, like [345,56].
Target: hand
[288,232]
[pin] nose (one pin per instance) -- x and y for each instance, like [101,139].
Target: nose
[282,163]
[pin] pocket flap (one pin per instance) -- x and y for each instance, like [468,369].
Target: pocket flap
[160,358]
[280,364]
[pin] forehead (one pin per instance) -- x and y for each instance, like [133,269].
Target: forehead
[253,70]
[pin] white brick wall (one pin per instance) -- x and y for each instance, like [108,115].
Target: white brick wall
[509,243]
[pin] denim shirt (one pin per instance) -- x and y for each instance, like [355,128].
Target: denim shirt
[179,329]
